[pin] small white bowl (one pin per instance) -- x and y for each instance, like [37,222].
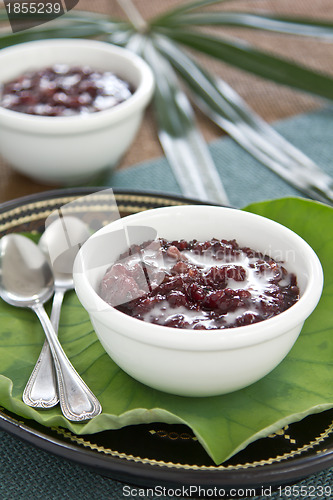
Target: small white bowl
[198,362]
[72,149]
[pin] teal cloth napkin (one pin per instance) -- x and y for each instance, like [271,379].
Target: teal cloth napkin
[29,473]
[245,179]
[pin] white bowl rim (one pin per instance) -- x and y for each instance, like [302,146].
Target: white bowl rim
[209,340]
[76,123]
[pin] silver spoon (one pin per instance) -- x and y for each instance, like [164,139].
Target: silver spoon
[60,243]
[26,280]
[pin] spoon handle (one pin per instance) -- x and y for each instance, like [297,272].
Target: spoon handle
[41,389]
[56,307]
[76,399]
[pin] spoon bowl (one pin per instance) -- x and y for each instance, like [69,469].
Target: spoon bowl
[60,243]
[22,284]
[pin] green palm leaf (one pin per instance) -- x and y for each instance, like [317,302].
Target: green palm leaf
[244,56]
[71,25]
[72,16]
[183,144]
[279,24]
[227,109]
[65,31]
[183,8]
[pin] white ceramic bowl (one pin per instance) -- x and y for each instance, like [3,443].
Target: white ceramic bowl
[198,362]
[72,149]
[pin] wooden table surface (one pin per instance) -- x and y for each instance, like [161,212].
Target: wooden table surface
[271,101]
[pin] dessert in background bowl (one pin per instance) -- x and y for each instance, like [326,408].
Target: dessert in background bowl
[64,90]
[191,360]
[58,145]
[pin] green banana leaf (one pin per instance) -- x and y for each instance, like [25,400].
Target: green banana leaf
[300,385]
